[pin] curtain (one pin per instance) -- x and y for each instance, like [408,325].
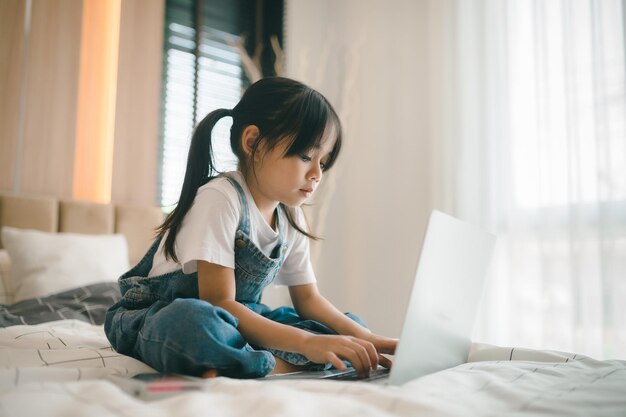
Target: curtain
[535,150]
[506,113]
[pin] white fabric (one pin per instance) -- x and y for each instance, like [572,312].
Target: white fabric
[62,369]
[44,263]
[60,349]
[444,127]
[6,290]
[534,149]
[208,234]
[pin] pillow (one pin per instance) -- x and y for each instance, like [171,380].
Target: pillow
[45,263]
[6,292]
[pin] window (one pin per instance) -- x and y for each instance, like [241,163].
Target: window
[554,106]
[197,78]
[202,71]
[566,101]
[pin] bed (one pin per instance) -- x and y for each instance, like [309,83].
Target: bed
[56,361]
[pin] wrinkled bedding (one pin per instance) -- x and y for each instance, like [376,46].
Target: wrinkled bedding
[67,368]
[88,303]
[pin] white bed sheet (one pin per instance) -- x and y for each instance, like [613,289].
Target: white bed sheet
[61,369]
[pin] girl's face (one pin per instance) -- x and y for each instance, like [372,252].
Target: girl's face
[290,180]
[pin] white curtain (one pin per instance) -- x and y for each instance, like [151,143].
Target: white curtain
[507,113]
[534,104]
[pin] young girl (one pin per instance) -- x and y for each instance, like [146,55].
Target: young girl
[193,303]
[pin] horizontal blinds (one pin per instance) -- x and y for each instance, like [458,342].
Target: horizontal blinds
[217,70]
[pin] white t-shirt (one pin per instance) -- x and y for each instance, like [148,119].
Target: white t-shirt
[208,234]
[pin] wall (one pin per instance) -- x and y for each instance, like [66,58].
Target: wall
[11,58]
[135,154]
[39,90]
[42,102]
[372,59]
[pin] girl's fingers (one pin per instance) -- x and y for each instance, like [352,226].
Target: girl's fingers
[364,355]
[336,362]
[348,354]
[358,357]
[385,361]
[371,352]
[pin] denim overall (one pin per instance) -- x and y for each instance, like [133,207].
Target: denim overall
[160,320]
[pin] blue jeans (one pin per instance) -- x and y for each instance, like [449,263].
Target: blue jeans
[189,336]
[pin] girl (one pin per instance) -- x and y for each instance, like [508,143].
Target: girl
[193,303]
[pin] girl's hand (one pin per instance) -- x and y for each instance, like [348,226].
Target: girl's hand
[334,349]
[383,345]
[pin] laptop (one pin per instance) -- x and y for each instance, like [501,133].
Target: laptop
[442,308]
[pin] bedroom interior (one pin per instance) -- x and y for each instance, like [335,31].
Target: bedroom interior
[506,114]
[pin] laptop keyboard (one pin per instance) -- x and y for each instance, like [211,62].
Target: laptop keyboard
[352,375]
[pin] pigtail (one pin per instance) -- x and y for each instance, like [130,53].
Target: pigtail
[200,170]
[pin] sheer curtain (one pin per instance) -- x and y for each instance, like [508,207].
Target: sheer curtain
[536,151]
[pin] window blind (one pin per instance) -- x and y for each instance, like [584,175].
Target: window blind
[201,72]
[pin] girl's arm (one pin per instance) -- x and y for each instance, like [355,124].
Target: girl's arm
[216,284]
[310,304]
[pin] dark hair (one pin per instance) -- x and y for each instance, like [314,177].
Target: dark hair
[283,110]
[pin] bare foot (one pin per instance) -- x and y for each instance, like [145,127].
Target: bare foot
[284,367]
[211,373]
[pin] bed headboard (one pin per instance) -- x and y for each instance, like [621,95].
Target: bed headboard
[57,215]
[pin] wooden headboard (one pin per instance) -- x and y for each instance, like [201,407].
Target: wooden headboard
[70,216]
